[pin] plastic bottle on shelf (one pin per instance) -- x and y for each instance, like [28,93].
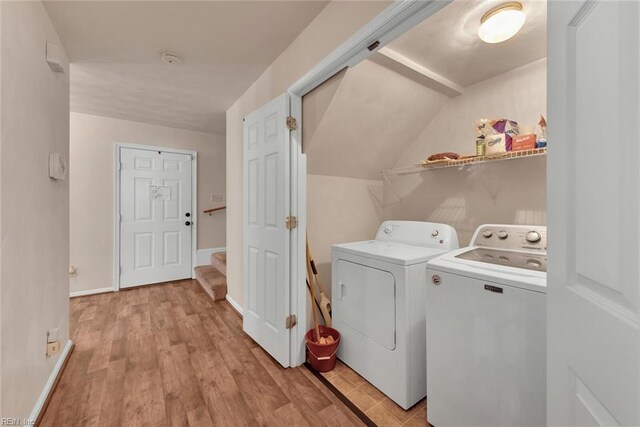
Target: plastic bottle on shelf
[480,146]
[541,134]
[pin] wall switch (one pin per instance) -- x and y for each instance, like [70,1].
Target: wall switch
[53,348]
[52,335]
[217,198]
[73,271]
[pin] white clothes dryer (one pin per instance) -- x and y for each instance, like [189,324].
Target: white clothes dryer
[378,300]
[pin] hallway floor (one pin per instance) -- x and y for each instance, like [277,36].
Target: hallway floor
[166,355]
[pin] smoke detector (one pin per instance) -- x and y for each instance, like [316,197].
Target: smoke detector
[171,58]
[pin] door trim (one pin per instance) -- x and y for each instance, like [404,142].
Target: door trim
[399,17]
[116,203]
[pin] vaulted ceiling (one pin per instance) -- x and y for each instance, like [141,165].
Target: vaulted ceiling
[115,47]
[447,43]
[365,118]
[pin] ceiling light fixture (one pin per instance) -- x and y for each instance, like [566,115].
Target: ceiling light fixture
[171,58]
[501,23]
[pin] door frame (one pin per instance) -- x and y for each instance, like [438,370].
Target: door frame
[399,17]
[116,203]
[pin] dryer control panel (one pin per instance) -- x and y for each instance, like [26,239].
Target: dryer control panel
[511,237]
[418,233]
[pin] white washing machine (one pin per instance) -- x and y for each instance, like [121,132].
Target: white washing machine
[486,330]
[378,297]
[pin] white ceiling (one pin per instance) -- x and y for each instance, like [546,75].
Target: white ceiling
[447,43]
[115,48]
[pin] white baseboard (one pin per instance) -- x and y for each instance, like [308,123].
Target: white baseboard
[237,307]
[203,256]
[90,292]
[48,387]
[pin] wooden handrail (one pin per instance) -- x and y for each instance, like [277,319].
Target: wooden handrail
[211,210]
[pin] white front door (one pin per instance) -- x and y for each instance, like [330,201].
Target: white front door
[594,195]
[266,238]
[155,216]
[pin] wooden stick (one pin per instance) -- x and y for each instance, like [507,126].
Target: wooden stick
[313,296]
[315,273]
[309,288]
[324,304]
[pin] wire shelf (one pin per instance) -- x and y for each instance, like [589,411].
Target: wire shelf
[463,162]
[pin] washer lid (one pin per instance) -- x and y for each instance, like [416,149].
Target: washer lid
[393,252]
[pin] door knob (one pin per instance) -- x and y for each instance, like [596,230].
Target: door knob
[187,223]
[188,214]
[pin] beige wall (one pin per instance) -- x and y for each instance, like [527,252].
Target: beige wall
[34,227]
[337,22]
[91,179]
[520,95]
[504,192]
[340,210]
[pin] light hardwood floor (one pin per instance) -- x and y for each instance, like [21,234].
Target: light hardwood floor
[166,355]
[381,410]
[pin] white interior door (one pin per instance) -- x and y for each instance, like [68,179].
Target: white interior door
[594,191]
[266,237]
[156,216]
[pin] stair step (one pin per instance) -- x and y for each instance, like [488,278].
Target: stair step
[212,281]
[219,261]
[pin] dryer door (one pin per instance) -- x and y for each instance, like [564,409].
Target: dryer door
[366,301]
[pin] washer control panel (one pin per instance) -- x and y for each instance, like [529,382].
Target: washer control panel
[511,237]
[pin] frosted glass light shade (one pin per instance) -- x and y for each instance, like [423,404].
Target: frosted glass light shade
[501,23]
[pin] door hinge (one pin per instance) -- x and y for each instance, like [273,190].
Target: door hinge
[292,123]
[291,222]
[291,321]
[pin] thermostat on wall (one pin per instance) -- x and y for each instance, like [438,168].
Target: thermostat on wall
[57,166]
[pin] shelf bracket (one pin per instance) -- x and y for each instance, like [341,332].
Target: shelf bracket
[483,178]
[386,179]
